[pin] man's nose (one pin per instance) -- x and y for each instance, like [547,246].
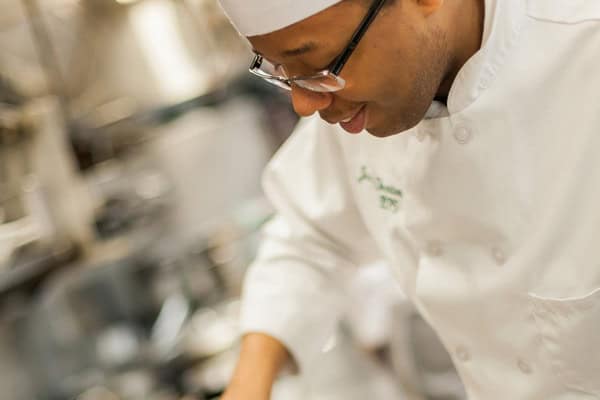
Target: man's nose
[307,102]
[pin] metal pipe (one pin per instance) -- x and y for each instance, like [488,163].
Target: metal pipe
[47,54]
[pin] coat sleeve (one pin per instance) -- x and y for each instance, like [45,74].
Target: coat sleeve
[292,291]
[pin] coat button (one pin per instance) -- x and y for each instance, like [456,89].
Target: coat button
[463,354]
[434,248]
[421,135]
[524,367]
[462,135]
[499,255]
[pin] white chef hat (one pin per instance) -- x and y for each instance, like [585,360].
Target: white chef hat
[258,17]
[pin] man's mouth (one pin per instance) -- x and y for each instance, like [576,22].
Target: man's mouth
[356,123]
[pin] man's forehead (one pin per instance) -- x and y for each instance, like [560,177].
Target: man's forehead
[313,34]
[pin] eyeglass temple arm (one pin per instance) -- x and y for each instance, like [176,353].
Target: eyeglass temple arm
[256,62]
[357,36]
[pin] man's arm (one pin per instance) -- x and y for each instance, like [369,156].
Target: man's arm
[292,291]
[261,360]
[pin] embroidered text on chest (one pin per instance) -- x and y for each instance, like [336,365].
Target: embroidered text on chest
[389,196]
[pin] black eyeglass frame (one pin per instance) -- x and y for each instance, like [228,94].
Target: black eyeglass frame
[335,67]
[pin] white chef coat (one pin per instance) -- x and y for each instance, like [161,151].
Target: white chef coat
[489,217]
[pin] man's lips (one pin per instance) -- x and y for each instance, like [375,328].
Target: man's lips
[355,123]
[348,119]
[335,117]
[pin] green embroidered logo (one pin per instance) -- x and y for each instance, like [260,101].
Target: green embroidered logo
[389,196]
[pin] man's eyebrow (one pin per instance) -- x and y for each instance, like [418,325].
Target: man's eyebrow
[300,50]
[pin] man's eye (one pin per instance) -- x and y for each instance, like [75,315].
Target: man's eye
[302,68]
[305,71]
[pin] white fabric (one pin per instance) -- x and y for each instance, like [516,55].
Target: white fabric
[489,217]
[258,17]
[373,299]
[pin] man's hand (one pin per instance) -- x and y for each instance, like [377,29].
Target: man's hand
[261,359]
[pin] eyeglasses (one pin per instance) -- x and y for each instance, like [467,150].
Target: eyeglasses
[327,80]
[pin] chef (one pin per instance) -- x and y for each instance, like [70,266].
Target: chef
[460,141]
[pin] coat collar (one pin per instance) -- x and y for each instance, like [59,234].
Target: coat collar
[504,20]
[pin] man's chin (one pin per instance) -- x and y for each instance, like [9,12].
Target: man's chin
[382,127]
[382,132]
[378,133]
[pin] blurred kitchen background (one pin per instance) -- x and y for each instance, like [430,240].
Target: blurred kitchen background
[132,141]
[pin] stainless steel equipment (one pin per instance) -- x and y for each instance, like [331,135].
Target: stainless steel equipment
[15,162]
[43,205]
[164,215]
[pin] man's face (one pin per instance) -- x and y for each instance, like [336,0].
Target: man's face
[400,65]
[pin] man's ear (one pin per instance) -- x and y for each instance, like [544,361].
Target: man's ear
[430,6]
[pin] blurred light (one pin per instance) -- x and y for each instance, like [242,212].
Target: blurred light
[156,26]
[126,1]
[171,319]
[117,345]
